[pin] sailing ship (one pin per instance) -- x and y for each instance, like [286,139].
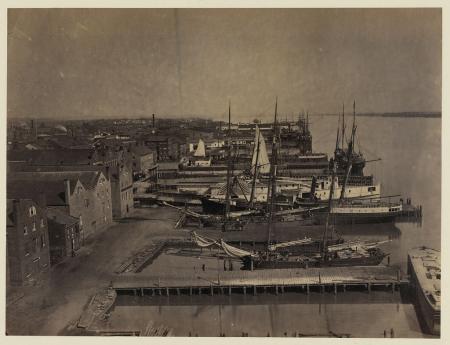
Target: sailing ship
[424,268]
[349,207]
[245,194]
[343,254]
[279,256]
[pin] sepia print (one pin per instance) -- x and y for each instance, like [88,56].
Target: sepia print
[224,172]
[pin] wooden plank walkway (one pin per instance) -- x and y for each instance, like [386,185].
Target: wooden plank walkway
[328,276]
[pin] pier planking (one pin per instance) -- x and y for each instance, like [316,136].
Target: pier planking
[327,276]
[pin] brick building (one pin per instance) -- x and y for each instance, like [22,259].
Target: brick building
[64,234]
[27,239]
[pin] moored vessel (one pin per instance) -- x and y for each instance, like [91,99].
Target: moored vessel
[424,268]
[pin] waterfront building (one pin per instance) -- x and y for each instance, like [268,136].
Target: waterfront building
[85,195]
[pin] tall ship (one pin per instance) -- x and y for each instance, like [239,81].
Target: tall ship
[354,204]
[279,256]
[424,269]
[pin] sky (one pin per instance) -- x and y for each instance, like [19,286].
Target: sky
[105,63]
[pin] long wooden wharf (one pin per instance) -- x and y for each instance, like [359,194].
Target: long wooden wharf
[261,281]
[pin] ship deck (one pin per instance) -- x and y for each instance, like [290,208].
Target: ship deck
[427,266]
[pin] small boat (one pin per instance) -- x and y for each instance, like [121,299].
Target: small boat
[424,268]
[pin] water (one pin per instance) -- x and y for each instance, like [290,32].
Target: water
[411,166]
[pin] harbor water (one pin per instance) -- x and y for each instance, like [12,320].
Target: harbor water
[410,166]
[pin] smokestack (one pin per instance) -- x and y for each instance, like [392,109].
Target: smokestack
[153,121]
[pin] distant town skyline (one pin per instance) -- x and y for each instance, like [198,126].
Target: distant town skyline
[118,63]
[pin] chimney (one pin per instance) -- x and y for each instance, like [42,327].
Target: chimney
[67,190]
[153,121]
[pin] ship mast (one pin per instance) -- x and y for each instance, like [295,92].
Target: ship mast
[273,175]
[227,197]
[256,168]
[349,155]
[343,126]
[330,197]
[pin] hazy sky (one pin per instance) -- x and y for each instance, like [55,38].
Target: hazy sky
[102,63]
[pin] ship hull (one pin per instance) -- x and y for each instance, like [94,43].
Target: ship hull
[431,317]
[372,260]
[355,218]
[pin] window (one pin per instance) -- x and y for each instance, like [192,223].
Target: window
[25,230]
[42,223]
[86,202]
[371,189]
[32,211]
[42,241]
[34,226]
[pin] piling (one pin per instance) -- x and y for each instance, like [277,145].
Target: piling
[254,290]
[335,288]
[212,290]
[245,290]
[307,289]
[229,290]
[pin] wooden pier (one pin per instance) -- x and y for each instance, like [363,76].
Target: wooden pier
[277,281]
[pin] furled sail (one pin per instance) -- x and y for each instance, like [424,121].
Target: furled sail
[356,245]
[290,243]
[203,241]
[260,159]
[233,251]
[200,152]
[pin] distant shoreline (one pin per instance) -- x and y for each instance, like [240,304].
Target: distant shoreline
[403,114]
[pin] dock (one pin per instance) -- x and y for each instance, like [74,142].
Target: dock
[276,281]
